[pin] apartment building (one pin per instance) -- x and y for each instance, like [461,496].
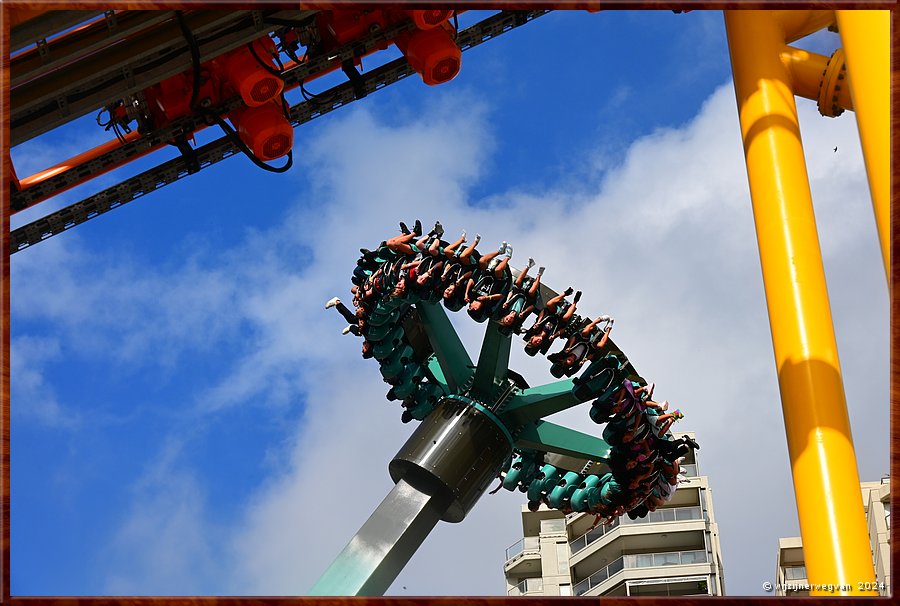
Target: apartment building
[673,551]
[790,565]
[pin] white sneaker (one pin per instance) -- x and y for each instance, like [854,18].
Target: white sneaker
[332,302]
[346,330]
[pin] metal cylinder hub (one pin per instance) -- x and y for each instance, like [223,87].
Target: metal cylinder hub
[459,447]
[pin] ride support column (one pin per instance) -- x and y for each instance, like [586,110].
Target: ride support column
[866,39]
[823,461]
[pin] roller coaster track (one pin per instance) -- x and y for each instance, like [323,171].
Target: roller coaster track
[219,149]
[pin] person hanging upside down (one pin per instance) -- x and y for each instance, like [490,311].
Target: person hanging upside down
[662,423]
[419,272]
[550,324]
[355,320]
[464,257]
[402,244]
[492,281]
[456,273]
[661,494]
[675,448]
[576,350]
[453,285]
[630,394]
[521,300]
[416,231]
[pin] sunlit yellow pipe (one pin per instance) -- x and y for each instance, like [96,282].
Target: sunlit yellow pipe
[806,69]
[823,462]
[866,39]
[798,24]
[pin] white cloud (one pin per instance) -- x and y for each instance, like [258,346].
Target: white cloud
[666,244]
[29,386]
[167,540]
[136,314]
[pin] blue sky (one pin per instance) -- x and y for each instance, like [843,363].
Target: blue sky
[187,419]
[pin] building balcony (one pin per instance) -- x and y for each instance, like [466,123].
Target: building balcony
[670,563]
[795,574]
[795,582]
[528,587]
[674,514]
[523,557]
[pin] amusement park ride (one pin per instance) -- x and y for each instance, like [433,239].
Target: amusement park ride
[157,77]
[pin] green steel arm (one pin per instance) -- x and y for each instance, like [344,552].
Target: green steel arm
[493,362]
[445,343]
[550,437]
[536,402]
[434,367]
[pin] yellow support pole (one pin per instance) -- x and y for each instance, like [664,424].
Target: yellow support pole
[866,39]
[823,462]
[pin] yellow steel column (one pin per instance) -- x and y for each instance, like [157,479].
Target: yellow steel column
[866,39]
[823,463]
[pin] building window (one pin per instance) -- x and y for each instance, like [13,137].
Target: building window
[557,526]
[673,586]
[562,558]
[795,573]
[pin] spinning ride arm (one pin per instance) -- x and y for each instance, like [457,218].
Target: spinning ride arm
[481,422]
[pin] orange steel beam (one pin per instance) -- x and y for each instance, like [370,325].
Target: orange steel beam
[109,146]
[80,159]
